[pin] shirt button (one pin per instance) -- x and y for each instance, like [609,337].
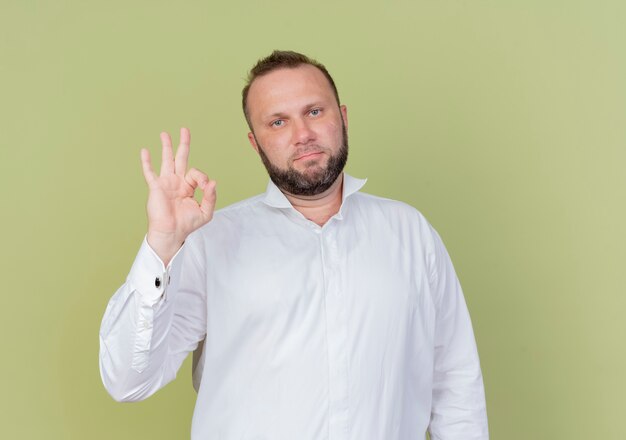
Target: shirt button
[157,282]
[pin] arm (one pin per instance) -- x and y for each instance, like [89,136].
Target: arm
[147,331]
[458,404]
[158,316]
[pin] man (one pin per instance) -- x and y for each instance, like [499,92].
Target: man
[323,312]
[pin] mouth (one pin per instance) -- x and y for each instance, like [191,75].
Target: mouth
[309,155]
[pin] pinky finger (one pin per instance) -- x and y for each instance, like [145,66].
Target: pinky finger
[148,172]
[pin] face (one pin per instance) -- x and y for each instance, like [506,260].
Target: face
[299,130]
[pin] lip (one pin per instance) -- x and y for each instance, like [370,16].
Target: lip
[309,155]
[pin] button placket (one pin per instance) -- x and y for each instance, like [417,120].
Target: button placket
[337,336]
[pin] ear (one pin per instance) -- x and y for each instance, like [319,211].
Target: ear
[344,115]
[252,140]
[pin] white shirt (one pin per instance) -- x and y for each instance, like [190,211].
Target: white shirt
[356,330]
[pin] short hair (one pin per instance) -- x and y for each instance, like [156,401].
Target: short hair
[280,59]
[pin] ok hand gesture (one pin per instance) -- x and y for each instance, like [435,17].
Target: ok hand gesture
[173,213]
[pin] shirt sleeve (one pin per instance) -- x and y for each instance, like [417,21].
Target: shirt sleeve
[152,322]
[458,400]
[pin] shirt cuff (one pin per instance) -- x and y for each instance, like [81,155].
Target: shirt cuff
[149,276]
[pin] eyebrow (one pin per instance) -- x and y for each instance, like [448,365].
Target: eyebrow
[282,115]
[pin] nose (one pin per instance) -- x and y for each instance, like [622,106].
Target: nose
[302,132]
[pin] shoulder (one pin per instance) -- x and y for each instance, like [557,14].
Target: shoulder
[236,210]
[395,218]
[232,218]
[394,210]
[410,226]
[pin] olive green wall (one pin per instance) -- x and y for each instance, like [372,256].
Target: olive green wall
[504,122]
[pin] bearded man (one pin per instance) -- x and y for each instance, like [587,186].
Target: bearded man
[315,311]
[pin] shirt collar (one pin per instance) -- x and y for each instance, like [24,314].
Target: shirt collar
[276,199]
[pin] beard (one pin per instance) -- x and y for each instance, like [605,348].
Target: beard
[316,179]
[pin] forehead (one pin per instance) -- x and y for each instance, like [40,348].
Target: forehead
[288,88]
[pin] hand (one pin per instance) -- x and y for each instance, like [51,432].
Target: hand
[173,213]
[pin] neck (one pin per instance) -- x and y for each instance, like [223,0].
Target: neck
[321,207]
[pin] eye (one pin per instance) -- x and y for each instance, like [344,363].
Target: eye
[315,112]
[277,123]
